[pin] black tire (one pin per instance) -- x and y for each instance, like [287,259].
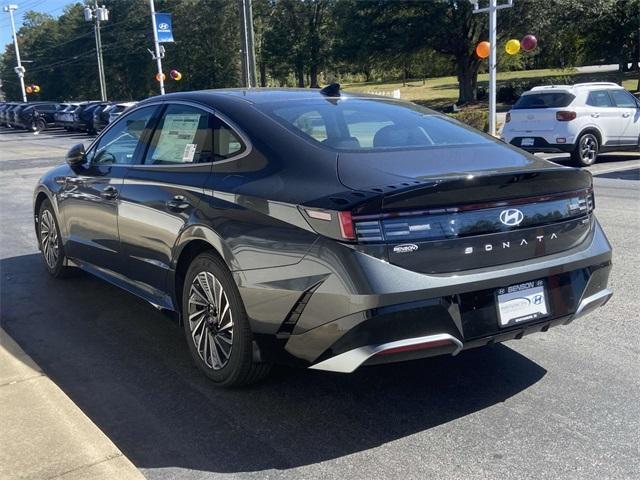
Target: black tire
[39,125]
[586,151]
[49,232]
[239,367]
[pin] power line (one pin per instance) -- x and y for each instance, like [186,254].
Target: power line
[59,63]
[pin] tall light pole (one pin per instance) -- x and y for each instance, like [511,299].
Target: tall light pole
[159,53]
[19,69]
[493,34]
[248,50]
[98,15]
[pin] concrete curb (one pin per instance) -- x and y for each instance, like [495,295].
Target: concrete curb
[43,434]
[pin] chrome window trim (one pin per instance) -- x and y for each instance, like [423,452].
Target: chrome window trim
[232,125]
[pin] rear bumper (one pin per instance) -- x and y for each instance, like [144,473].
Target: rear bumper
[542,145]
[445,343]
[356,307]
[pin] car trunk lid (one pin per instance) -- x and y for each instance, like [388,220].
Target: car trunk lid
[446,210]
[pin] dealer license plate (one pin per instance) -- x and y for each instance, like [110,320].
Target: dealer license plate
[521,303]
[527,142]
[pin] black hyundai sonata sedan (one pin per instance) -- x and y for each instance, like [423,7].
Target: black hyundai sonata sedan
[324,229]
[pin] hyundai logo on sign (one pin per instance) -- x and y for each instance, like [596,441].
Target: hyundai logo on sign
[164,28]
[511,217]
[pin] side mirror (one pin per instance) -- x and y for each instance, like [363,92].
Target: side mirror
[76,155]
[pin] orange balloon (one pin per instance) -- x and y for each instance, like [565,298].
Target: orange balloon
[29,89]
[482,50]
[164,77]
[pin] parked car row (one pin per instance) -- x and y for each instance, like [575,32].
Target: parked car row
[87,116]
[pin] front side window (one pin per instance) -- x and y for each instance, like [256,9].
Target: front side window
[359,124]
[183,136]
[599,98]
[623,99]
[118,145]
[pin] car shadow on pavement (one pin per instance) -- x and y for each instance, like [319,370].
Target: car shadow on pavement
[630,174]
[128,368]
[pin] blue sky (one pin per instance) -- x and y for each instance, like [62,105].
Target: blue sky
[54,7]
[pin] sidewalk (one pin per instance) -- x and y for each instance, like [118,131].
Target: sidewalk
[43,435]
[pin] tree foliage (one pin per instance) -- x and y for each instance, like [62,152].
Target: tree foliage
[311,42]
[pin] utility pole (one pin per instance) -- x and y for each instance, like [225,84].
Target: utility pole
[248,50]
[493,34]
[98,15]
[159,53]
[19,69]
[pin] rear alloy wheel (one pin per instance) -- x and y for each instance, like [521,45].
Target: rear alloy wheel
[50,242]
[216,325]
[586,151]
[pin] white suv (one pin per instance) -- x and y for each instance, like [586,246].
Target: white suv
[583,120]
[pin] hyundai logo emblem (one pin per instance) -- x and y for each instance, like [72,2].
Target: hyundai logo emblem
[511,217]
[163,26]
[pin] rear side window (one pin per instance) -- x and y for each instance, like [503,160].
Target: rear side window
[227,143]
[544,100]
[599,98]
[367,124]
[183,136]
[623,99]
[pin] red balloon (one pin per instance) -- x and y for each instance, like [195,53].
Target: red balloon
[528,43]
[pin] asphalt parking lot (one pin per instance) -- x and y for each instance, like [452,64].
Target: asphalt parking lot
[563,404]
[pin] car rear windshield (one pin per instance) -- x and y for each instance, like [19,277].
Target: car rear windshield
[544,100]
[370,124]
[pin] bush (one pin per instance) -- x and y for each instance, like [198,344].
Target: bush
[475,118]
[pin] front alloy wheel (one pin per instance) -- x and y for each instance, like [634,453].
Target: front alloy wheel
[50,241]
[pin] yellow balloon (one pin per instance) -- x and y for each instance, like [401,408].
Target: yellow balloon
[513,46]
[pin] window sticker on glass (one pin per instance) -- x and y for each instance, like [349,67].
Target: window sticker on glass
[177,134]
[189,152]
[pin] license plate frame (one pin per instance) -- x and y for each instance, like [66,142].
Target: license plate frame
[521,303]
[527,142]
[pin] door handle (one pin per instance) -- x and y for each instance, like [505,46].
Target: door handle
[595,115]
[626,115]
[178,203]
[109,193]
